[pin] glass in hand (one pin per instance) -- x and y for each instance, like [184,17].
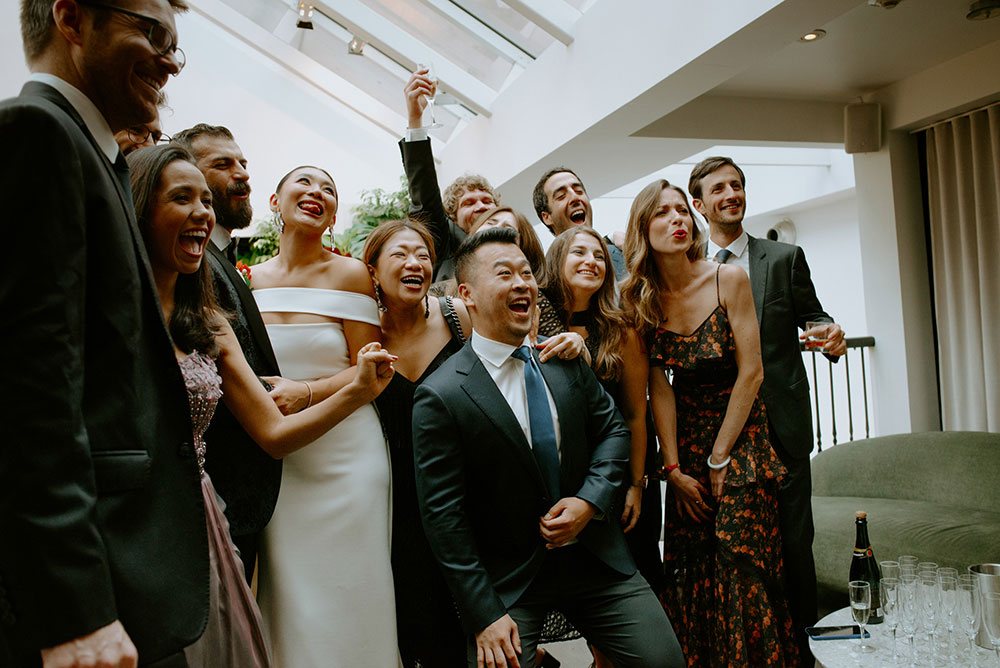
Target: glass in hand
[861,605]
[432,76]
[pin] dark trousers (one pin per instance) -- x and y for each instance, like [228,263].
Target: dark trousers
[619,614]
[797,531]
[248,545]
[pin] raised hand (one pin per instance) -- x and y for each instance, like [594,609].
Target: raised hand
[418,90]
[375,369]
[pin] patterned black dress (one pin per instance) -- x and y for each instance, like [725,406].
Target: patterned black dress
[723,579]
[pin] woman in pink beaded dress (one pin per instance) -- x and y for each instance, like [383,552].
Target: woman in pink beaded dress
[174,210]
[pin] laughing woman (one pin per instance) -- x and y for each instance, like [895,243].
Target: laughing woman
[174,211]
[724,588]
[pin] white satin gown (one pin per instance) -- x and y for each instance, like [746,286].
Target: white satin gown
[325,580]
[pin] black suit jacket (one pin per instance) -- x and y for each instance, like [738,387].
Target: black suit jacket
[245,476]
[426,205]
[785,299]
[101,513]
[480,490]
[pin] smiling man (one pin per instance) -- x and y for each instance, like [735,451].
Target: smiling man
[104,554]
[244,475]
[517,466]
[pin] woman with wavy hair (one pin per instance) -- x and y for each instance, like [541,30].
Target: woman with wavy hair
[724,585]
[174,211]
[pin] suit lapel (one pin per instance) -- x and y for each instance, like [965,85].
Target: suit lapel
[481,389]
[249,305]
[758,275]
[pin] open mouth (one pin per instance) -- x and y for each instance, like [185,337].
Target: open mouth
[312,208]
[579,216]
[680,234]
[412,281]
[193,241]
[587,272]
[520,305]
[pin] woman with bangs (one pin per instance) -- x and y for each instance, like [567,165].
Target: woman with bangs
[724,586]
[325,579]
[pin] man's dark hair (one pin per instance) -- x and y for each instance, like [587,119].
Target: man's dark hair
[538,196]
[37,24]
[467,249]
[186,138]
[706,167]
[194,322]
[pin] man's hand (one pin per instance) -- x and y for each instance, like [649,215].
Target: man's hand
[417,90]
[834,335]
[498,644]
[374,369]
[633,506]
[290,396]
[566,346]
[107,647]
[565,521]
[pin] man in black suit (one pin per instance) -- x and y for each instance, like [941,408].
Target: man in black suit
[516,473]
[104,551]
[785,300]
[561,201]
[246,477]
[449,218]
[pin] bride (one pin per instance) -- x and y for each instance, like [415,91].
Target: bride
[325,583]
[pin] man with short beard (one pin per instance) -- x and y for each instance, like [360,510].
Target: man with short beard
[103,549]
[245,476]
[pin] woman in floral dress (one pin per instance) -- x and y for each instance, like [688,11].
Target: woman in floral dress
[723,583]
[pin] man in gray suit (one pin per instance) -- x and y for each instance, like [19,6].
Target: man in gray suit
[785,300]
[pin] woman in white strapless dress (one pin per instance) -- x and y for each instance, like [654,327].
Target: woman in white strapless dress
[325,581]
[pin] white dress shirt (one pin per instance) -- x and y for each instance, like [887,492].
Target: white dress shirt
[221,237]
[96,124]
[741,258]
[508,373]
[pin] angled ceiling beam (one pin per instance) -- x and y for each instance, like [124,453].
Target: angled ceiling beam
[553,16]
[500,44]
[395,42]
[503,29]
[300,65]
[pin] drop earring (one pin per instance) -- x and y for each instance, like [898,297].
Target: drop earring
[279,222]
[427,307]
[378,299]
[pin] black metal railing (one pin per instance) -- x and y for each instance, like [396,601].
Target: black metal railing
[856,347]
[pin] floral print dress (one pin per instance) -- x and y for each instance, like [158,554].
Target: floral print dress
[723,579]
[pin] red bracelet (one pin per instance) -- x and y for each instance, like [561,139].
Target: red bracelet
[668,469]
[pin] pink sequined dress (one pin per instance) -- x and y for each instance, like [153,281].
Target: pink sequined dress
[233,635]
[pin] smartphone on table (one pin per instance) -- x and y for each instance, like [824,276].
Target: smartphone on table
[845,632]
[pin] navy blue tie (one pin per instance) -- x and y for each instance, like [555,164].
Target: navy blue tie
[723,255]
[543,433]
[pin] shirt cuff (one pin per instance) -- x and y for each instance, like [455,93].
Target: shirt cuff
[416,134]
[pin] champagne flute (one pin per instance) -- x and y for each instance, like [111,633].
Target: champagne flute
[432,75]
[908,612]
[889,594]
[890,569]
[968,612]
[861,604]
[949,601]
[991,617]
[928,595]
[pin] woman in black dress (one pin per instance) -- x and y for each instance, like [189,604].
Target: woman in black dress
[724,589]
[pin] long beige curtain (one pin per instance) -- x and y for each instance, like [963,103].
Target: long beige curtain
[963,165]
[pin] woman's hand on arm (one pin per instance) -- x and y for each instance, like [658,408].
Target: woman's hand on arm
[688,492]
[290,396]
[567,346]
[635,375]
[734,286]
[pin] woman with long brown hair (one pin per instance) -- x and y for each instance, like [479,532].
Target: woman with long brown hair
[724,588]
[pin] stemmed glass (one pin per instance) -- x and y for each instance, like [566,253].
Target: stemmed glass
[991,617]
[968,612]
[949,601]
[909,612]
[928,588]
[889,594]
[890,569]
[432,75]
[861,604]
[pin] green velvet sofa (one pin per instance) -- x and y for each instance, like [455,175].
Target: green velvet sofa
[935,495]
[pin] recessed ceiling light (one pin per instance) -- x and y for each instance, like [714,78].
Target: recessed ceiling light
[813,35]
[980,10]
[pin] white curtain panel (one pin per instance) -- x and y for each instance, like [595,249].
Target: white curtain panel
[963,164]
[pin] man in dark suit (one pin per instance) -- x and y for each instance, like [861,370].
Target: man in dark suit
[785,300]
[516,473]
[104,550]
[448,219]
[246,477]
[561,201]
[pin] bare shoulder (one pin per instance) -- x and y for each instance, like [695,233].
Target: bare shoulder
[348,274]
[262,275]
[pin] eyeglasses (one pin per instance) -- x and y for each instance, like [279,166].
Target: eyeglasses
[159,35]
[140,134]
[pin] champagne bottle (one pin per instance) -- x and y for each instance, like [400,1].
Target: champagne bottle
[865,567]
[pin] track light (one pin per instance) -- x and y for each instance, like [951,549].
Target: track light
[356,46]
[305,17]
